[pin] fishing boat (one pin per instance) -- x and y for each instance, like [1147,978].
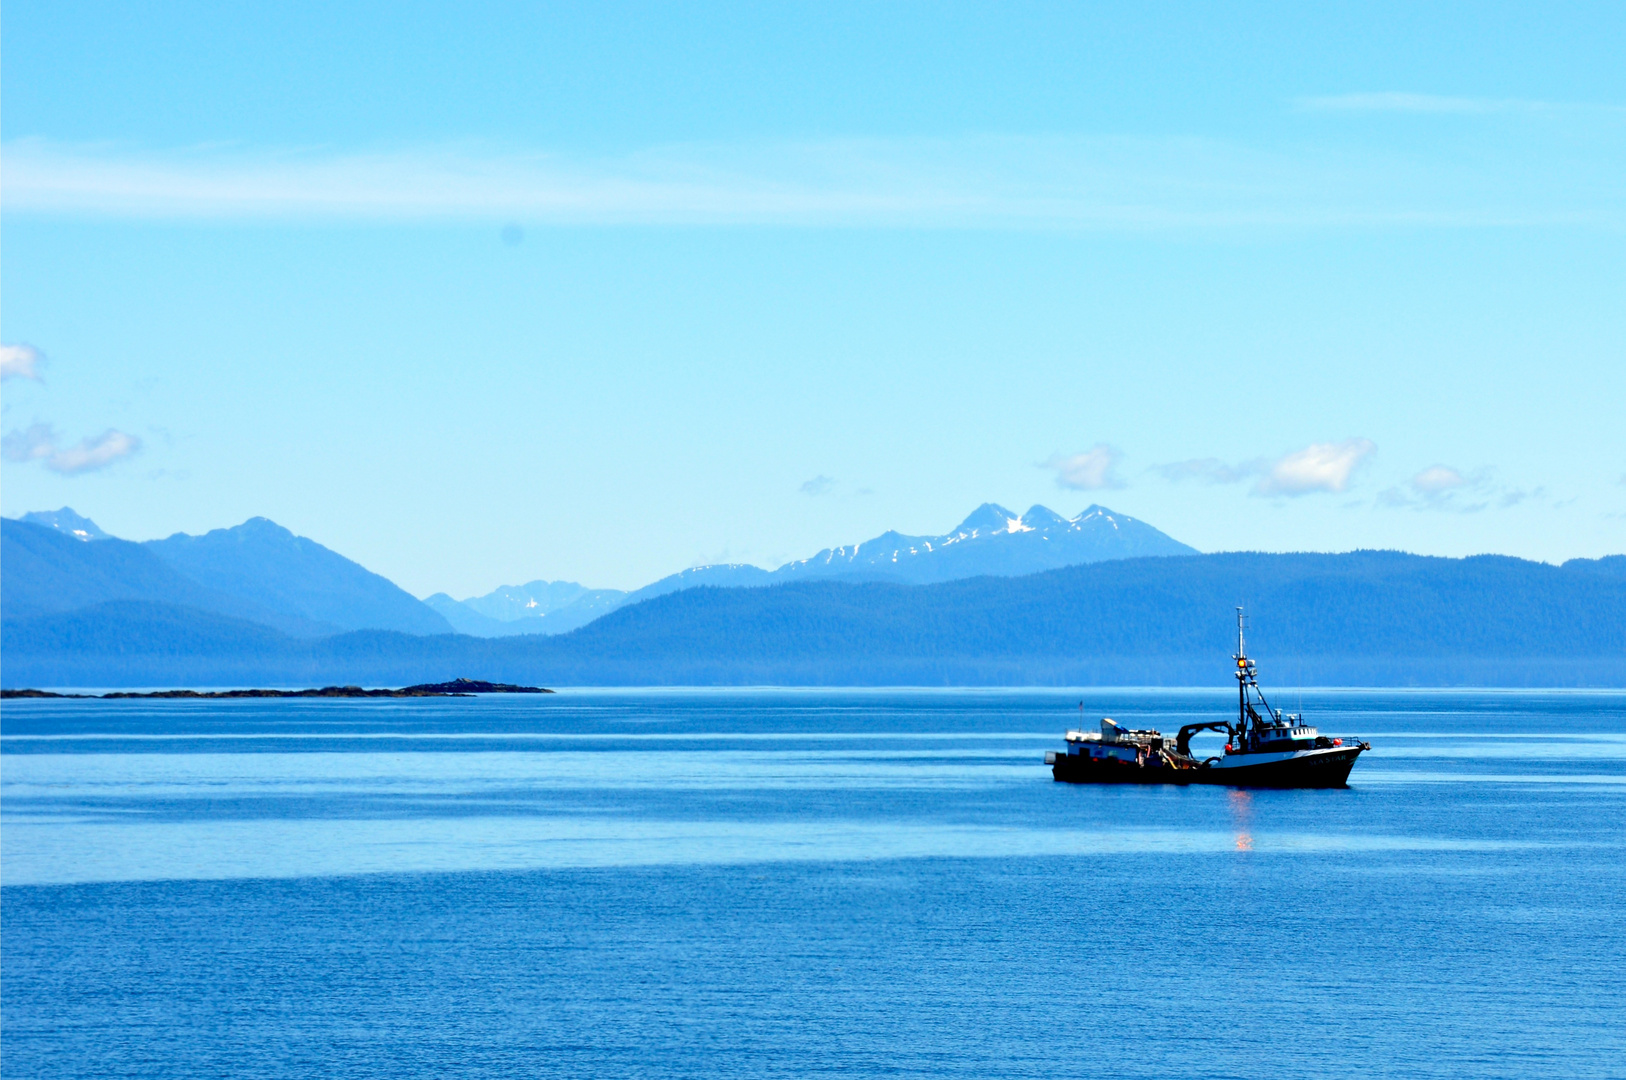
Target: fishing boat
[1263,748]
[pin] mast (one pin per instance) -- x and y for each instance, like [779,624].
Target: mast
[1242,666]
[1247,675]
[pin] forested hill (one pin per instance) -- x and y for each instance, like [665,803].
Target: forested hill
[1364,618]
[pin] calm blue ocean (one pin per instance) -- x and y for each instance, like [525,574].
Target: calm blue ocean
[795,883]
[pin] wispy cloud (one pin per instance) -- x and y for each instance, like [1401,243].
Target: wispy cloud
[819,485]
[1444,488]
[1394,101]
[1402,102]
[1438,480]
[1317,467]
[20,362]
[1440,487]
[40,443]
[1515,496]
[1202,470]
[1060,182]
[1090,470]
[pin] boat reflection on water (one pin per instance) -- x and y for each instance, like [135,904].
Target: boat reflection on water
[1263,748]
[1242,811]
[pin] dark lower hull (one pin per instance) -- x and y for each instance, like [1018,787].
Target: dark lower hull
[1082,769]
[1329,769]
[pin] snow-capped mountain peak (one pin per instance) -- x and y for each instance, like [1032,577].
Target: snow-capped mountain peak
[985,520]
[992,540]
[68,522]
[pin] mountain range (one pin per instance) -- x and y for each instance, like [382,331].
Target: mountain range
[257,604]
[992,540]
[59,561]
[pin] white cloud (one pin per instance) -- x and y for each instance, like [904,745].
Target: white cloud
[1091,470]
[1318,467]
[819,485]
[1048,182]
[39,443]
[20,362]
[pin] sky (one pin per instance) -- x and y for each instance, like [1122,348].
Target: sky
[479,294]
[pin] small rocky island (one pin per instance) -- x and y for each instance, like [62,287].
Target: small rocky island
[455,688]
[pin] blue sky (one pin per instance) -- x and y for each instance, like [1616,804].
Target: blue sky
[598,292]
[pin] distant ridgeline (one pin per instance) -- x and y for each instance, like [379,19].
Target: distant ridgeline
[111,613]
[992,540]
[258,572]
